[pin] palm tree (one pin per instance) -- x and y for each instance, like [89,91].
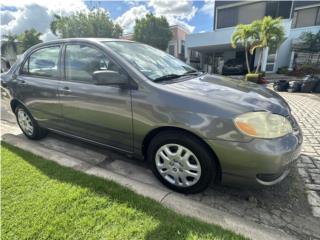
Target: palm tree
[269,33]
[243,34]
[54,24]
[9,43]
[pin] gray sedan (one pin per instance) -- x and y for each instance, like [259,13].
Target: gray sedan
[193,128]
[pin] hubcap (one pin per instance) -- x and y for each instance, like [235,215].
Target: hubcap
[178,165]
[25,122]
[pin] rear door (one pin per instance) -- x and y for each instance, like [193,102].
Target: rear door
[37,83]
[95,112]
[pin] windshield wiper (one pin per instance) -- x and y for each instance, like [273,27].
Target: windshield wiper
[167,77]
[191,72]
[174,76]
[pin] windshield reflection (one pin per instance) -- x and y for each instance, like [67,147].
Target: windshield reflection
[153,63]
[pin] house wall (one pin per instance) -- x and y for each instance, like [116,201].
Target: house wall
[246,11]
[284,51]
[178,35]
[219,39]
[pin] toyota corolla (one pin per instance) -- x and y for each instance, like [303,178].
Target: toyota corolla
[193,128]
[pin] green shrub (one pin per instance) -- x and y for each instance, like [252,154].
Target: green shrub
[283,70]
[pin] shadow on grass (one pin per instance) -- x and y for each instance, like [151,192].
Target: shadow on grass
[171,225]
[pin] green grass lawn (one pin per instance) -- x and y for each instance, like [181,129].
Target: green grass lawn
[42,200]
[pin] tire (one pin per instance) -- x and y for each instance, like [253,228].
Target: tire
[25,118]
[175,140]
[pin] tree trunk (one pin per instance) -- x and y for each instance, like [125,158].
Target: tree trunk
[247,60]
[259,60]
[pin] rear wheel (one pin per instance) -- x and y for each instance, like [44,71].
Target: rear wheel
[27,124]
[181,161]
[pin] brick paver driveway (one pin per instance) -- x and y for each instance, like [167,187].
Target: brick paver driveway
[306,109]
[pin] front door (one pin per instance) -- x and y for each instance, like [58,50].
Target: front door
[271,60]
[94,112]
[37,83]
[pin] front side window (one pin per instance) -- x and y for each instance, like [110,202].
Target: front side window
[43,63]
[81,61]
[153,63]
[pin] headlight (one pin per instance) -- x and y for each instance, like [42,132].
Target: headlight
[263,125]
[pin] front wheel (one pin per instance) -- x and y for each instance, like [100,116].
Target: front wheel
[28,125]
[181,162]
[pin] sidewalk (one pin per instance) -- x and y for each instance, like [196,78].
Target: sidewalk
[271,77]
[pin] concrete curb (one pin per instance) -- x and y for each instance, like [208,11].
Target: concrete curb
[176,202]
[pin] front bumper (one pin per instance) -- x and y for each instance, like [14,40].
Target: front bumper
[258,162]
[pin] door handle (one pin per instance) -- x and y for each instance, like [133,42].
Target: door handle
[21,82]
[65,90]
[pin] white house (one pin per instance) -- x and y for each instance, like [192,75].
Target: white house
[214,47]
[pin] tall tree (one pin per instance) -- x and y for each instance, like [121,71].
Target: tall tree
[9,44]
[95,23]
[29,38]
[153,30]
[269,33]
[243,34]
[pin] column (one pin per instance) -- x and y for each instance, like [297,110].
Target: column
[264,59]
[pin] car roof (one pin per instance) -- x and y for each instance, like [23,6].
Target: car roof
[70,40]
[95,39]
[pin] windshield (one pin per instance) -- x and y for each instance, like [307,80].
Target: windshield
[153,63]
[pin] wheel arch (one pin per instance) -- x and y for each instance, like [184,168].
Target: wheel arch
[147,139]
[14,103]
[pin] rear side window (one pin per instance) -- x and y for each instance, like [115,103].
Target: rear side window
[81,61]
[43,63]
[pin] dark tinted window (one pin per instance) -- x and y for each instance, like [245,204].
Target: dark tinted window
[171,50]
[272,8]
[182,48]
[229,17]
[306,17]
[284,9]
[43,63]
[278,9]
[81,61]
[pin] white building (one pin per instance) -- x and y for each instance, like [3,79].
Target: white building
[214,47]
[176,46]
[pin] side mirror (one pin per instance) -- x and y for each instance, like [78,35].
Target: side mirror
[107,77]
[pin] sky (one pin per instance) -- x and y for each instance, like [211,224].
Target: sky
[20,15]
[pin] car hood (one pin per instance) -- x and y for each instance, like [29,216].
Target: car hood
[237,95]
